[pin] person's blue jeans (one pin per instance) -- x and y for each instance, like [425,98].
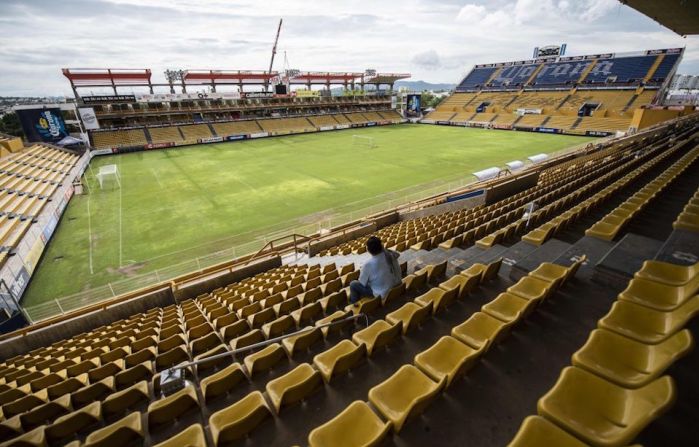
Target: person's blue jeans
[359,290]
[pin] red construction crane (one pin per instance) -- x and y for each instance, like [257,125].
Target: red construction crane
[274,48]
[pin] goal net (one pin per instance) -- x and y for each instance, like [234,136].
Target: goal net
[361,140]
[109,174]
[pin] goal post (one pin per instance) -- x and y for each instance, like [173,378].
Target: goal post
[364,141]
[108,173]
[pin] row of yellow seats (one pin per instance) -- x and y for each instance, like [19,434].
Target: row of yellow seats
[614,388]
[610,225]
[688,219]
[542,233]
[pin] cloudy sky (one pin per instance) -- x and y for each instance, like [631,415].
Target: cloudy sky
[435,40]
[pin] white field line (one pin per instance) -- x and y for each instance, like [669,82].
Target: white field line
[157,178]
[89,234]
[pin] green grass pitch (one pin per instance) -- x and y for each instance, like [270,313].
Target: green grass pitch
[181,203]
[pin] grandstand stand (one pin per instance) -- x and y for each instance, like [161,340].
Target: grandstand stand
[28,180]
[165,135]
[195,132]
[236,128]
[286,125]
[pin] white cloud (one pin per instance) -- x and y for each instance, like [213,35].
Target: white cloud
[471,13]
[435,40]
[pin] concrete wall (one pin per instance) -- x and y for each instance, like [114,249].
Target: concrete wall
[224,278]
[84,323]
[643,118]
[511,187]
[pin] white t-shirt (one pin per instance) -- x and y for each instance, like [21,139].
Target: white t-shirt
[381,273]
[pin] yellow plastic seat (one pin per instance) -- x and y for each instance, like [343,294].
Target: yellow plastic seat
[34,438]
[253,337]
[238,419]
[356,426]
[278,327]
[45,412]
[192,436]
[333,301]
[436,271]
[481,330]
[549,272]
[264,359]
[415,281]
[411,315]
[334,318]
[645,324]
[222,382]
[123,432]
[170,358]
[293,386]
[258,319]
[72,423]
[303,341]
[465,283]
[395,294]
[90,393]
[629,363]
[122,400]
[657,295]
[379,334]
[667,273]
[173,406]
[440,298]
[338,359]
[406,393]
[448,358]
[600,412]
[364,306]
[532,289]
[508,308]
[307,314]
[25,403]
[536,431]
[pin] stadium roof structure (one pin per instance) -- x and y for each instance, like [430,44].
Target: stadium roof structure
[322,77]
[681,16]
[228,76]
[385,78]
[96,77]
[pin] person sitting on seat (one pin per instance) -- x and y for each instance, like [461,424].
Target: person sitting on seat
[380,274]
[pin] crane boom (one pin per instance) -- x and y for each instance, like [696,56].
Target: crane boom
[274,48]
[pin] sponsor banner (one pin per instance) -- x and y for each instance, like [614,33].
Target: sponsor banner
[501,126]
[210,140]
[42,125]
[159,145]
[413,105]
[102,99]
[259,135]
[49,228]
[371,123]
[548,130]
[324,128]
[187,96]
[342,126]
[304,93]
[236,137]
[32,257]
[20,283]
[101,152]
[528,111]
[467,195]
[665,51]
[597,133]
[87,115]
[252,95]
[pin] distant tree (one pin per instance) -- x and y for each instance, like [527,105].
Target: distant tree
[429,99]
[9,124]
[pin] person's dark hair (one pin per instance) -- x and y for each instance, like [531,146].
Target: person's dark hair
[374,246]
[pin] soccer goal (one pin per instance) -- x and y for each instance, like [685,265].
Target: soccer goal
[361,140]
[109,173]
